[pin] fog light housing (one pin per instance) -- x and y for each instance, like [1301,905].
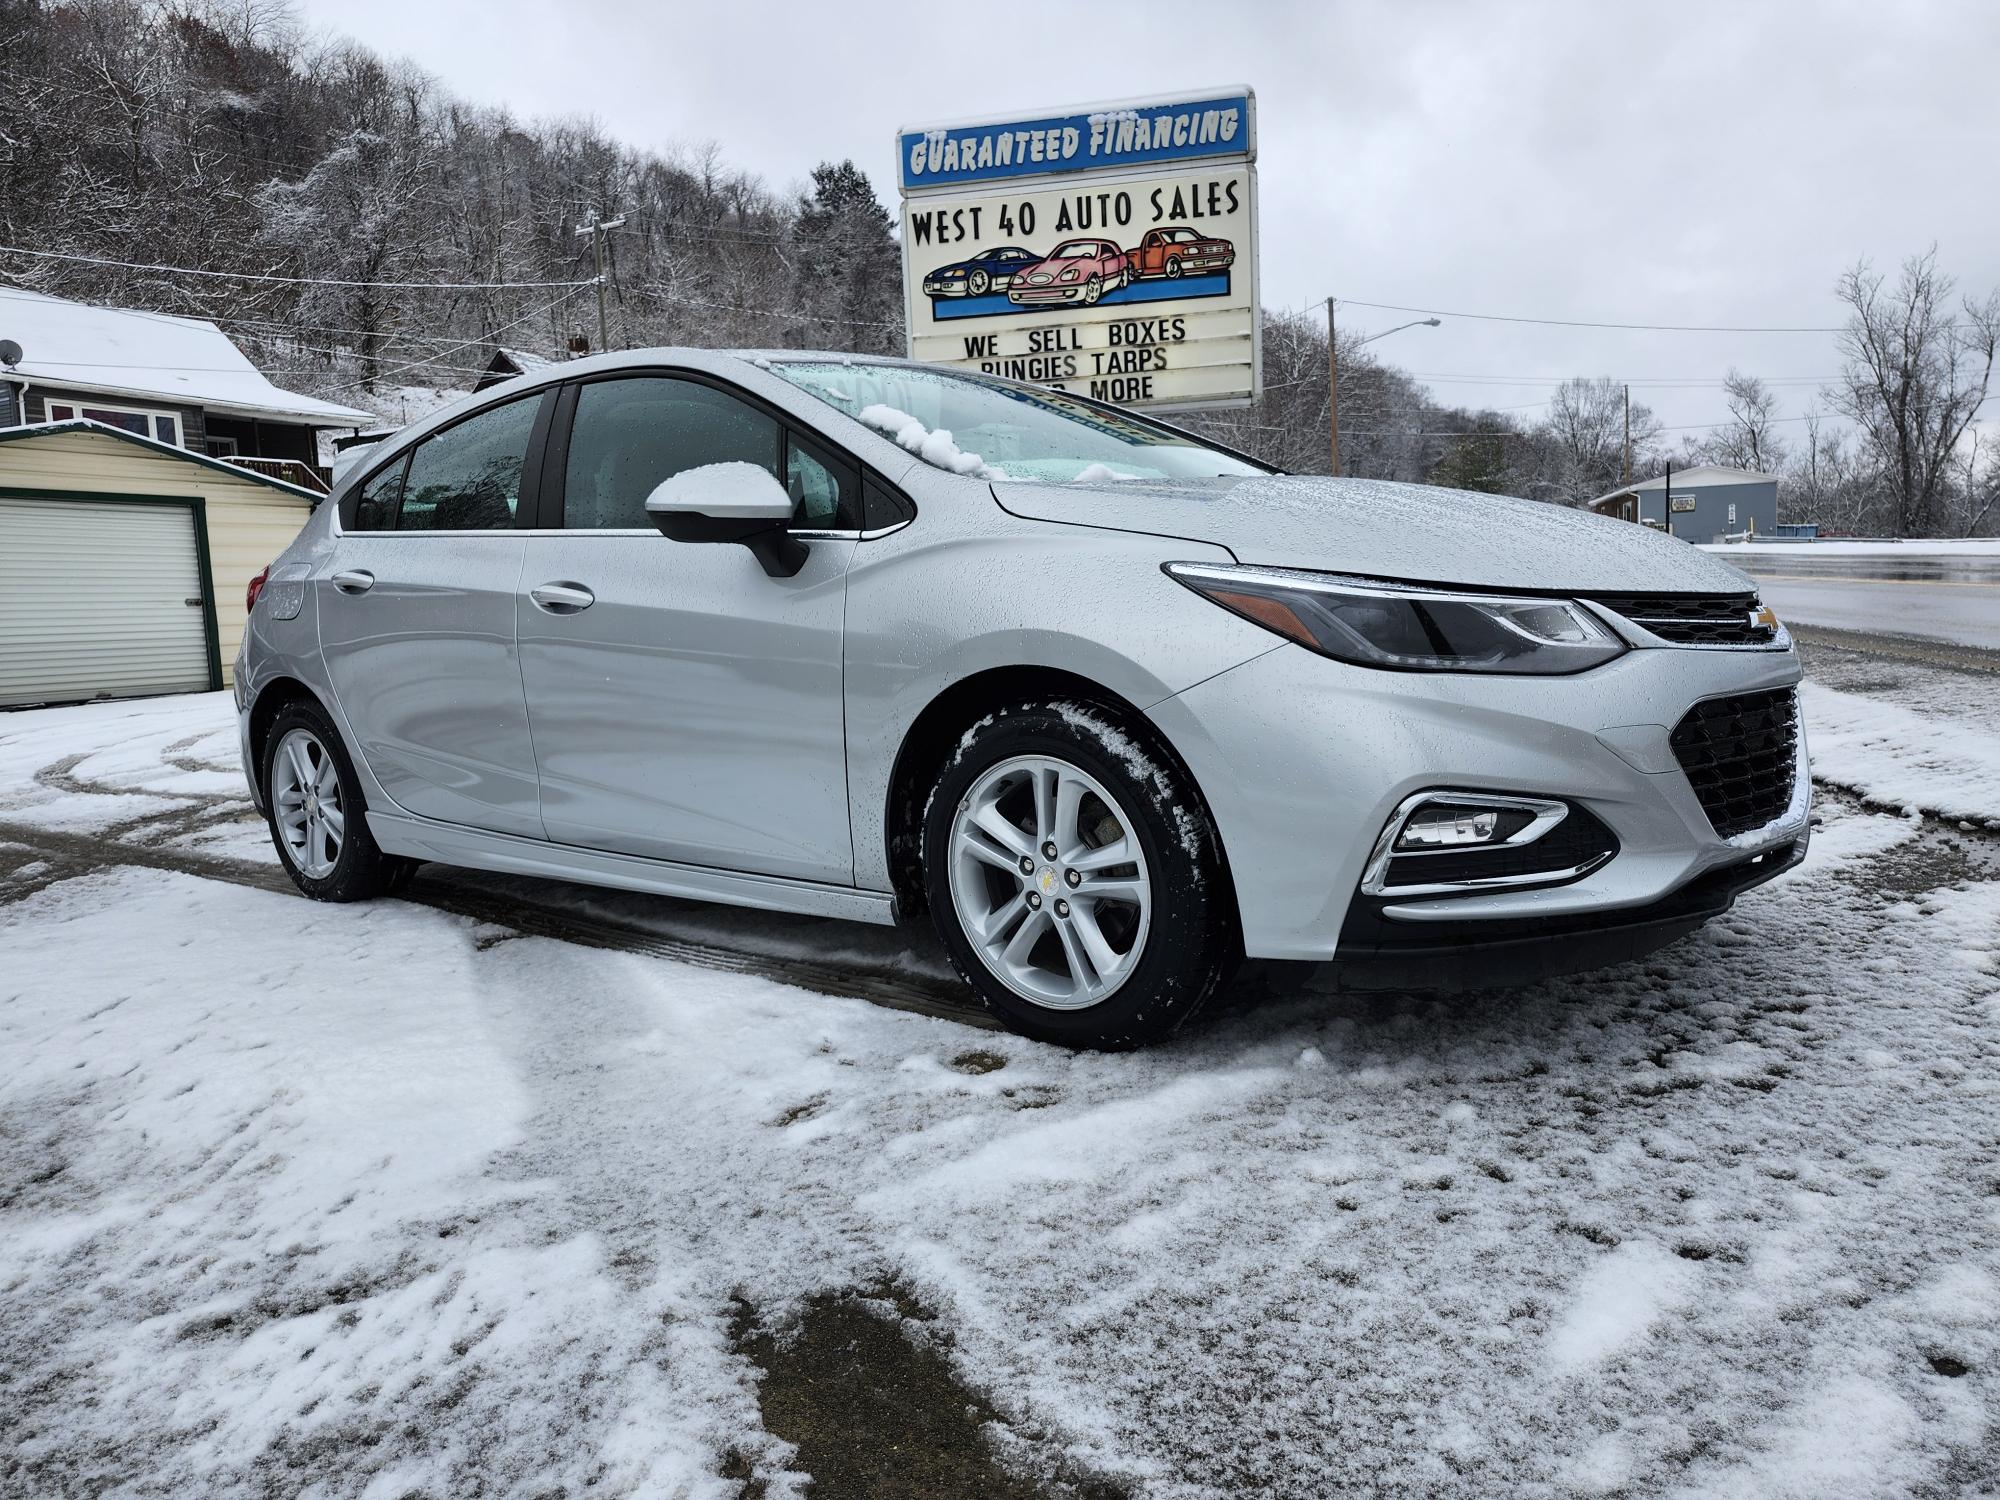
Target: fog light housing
[1454,842]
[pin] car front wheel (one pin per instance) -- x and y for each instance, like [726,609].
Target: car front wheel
[1075,879]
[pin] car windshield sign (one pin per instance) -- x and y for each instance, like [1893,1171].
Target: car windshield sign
[1016,432]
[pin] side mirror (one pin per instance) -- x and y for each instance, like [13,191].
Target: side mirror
[733,502]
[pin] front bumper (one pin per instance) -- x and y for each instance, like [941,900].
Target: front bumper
[1045,293]
[1303,760]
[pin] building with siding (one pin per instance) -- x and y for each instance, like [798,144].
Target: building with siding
[176,380]
[124,561]
[1708,503]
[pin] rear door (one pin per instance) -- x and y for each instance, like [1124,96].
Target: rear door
[685,705]
[100,599]
[416,618]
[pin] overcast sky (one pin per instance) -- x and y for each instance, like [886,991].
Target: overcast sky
[1612,162]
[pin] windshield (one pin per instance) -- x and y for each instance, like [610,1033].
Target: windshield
[994,430]
[1074,250]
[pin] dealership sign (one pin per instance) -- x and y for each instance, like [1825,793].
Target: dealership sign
[1110,251]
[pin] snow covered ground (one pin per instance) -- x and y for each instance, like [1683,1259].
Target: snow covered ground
[385,1200]
[1916,759]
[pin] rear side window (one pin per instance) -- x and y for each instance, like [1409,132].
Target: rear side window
[375,507]
[468,477]
[630,436]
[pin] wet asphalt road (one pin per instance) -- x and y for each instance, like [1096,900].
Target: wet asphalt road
[1954,599]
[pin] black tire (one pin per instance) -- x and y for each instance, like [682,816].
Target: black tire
[361,871]
[1190,941]
[1092,290]
[1174,269]
[977,283]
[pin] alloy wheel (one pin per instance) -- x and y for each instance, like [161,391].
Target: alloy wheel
[306,801]
[1049,882]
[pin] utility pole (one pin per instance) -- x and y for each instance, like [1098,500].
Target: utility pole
[595,228]
[1667,499]
[1628,434]
[1332,392]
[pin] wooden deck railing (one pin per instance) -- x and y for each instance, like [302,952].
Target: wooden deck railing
[289,470]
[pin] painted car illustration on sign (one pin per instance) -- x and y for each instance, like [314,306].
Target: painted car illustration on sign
[988,271]
[1076,271]
[1178,251]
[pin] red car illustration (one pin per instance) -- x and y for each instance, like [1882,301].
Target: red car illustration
[1179,251]
[1075,271]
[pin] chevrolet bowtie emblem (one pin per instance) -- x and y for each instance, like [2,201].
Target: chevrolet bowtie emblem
[1763,617]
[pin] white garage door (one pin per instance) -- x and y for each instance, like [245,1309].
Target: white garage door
[99,600]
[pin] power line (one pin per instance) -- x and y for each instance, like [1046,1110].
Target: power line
[434,286]
[469,343]
[1575,322]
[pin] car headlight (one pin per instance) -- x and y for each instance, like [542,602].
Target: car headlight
[1070,274]
[1408,629]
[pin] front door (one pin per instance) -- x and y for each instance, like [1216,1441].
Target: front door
[685,705]
[416,621]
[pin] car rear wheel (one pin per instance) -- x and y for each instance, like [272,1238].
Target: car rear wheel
[1074,878]
[318,816]
[977,283]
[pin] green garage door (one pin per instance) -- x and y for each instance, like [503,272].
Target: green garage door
[99,600]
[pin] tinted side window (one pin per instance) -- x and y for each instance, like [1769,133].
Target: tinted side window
[823,488]
[885,506]
[375,506]
[631,435]
[468,477]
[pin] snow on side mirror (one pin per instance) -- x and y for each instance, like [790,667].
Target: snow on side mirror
[722,492]
[732,502]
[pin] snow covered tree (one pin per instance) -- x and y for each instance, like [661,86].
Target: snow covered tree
[847,287]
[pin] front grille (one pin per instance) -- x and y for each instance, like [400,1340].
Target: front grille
[1577,840]
[1693,619]
[1739,754]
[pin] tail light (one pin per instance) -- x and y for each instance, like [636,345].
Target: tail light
[254,588]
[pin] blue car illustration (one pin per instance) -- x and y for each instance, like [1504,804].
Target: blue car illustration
[988,271]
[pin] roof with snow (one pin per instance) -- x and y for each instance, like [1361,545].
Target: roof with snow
[83,430]
[1696,476]
[114,351]
[507,363]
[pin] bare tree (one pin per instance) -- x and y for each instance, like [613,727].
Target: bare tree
[1916,373]
[1749,439]
[1979,486]
[1585,429]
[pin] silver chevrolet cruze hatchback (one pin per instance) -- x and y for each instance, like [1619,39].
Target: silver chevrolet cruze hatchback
[1117,707]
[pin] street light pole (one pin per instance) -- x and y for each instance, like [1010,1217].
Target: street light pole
[1333,375]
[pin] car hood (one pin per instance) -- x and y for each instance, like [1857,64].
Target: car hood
[1411,532]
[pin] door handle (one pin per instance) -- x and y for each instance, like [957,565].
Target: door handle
[354,581]
[562,598]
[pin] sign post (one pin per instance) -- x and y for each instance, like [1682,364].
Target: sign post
[1110,250]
